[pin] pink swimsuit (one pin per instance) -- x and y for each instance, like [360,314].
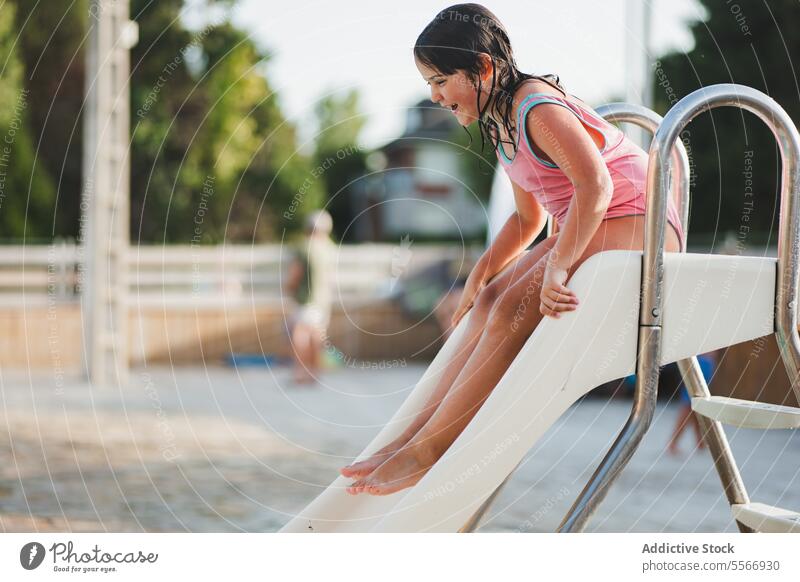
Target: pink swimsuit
[626,162]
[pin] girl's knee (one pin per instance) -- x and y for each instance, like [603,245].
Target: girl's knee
[519,310]
[487,298]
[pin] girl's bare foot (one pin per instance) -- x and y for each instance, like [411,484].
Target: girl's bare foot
[367,466]
[361,469]
[303,377]
[404,469]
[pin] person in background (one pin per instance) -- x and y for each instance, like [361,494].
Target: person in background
[309,284]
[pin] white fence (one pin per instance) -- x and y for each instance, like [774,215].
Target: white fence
[221,276]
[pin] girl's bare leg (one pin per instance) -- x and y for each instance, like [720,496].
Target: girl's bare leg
[680,425]
[302,344]
[495,350]
[479,315]
[497,347]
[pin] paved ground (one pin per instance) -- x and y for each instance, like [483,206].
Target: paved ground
[210,450]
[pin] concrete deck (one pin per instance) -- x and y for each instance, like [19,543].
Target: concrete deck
[216,450]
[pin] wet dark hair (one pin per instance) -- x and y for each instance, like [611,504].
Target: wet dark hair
[453,40]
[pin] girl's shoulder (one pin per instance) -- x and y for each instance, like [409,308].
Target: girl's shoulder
[539,87]
[535,86]
[531,87]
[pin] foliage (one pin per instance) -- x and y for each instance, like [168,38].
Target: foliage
[212,158]
[339,161]
[215,121]
[26,194]
[751,43]
[477,165]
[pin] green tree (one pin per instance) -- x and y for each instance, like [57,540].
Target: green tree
[751,43]
[478,166]
[208,136]
[268,174]
[26,193]
[338,158]
[204,113]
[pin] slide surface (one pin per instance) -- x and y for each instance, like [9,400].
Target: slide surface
[711,301]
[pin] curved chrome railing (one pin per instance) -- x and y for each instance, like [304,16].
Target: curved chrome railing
[651,312]
[650,120]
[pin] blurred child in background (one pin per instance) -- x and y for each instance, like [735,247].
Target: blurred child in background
[309,283]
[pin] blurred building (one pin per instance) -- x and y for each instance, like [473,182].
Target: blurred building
[417,188]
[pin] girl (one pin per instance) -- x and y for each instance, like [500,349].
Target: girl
[562,159]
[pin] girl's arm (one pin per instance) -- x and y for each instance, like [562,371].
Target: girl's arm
[519,231]
[560,135]
[517,234]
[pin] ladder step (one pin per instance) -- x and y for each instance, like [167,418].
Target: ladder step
[747,413]
[766,518]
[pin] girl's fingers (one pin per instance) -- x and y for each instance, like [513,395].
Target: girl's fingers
[559,297]
[546,311]
[553,303]
[556,289]
[555,296]
[558,307]
[565,290]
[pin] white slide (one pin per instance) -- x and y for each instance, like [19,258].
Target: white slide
[710,301]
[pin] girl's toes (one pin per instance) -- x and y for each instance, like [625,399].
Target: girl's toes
[355,472]
[358,470]
[359,486]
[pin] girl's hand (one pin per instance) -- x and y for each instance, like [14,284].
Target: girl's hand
[556,297]
[474,285]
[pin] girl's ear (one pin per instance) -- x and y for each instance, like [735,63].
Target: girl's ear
[486,67]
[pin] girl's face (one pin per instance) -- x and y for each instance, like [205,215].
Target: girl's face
[455,92]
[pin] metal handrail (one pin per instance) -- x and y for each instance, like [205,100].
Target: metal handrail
[651,312]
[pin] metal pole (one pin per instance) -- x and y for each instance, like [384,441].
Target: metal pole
[105,205]
[647,28]
[658,184]
[714,434]
[474,521]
